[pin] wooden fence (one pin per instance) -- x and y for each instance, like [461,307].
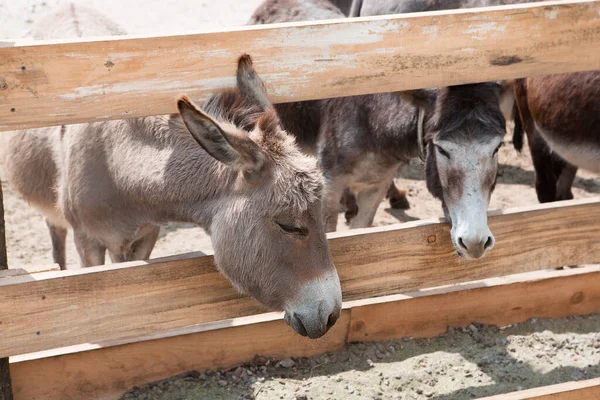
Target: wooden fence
[95,332]
[112,78]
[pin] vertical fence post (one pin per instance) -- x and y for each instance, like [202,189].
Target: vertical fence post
[5,383]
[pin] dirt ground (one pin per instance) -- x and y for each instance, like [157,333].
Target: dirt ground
[462,364]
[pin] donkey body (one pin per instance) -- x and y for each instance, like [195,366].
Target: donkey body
[561,116]
[553,175]
[37,178]
[344,5]
[228,167]
[381,7]
[361,141]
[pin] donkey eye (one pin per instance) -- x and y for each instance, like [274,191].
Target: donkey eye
[442,152]
[296,230]
[498,148]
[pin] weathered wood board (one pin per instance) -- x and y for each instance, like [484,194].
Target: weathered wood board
[72,82]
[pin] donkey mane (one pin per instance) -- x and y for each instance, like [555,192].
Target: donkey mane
[479,108]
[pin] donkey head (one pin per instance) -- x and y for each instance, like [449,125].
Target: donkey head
[267,230]
[462,135]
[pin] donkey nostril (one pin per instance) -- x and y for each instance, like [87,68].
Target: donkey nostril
[462,244]
[301,329]
[333,317]
[488,243]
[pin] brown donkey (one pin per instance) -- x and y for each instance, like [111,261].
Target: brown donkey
[228,167]
[553,176]
[361,141]
[561,116]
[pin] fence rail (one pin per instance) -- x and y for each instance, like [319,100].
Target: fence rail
[122,302]
[97,372]
[72,82]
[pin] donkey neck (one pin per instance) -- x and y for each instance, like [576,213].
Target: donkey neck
[394,123]
[169,172]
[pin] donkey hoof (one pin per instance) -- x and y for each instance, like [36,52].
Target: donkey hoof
[399,203]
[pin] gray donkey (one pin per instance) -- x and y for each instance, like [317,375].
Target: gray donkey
[228,167]
[361,141]
[364,8]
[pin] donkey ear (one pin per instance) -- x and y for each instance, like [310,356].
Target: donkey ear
[420,98]
[250,84]
[227,147]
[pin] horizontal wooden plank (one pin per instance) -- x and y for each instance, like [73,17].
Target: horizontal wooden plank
[511,301]
[580,390]
[100,305]
[72,82]
[416,255]
[105,373]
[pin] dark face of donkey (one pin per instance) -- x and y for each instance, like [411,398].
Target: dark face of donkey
[267,231]
[463,134]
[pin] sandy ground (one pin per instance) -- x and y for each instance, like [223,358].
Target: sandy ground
[459,365]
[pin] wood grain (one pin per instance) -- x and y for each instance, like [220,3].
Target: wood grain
[401,258]
[510,302]
[52,83]
[106,373]
[100,305]
[580,390]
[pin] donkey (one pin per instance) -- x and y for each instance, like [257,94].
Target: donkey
[350,8]
[561,116]
[69,21]
[361,141]
[344,5]
[365,8]
[228,167]
[553,176]
[369,8]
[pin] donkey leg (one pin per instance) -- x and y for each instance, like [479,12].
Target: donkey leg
[565,182]
[143,247]
[91,251]
[334,188]
[368,201]
[349,202]
[397,198]
[58,236]
[544,164]
[139,248]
